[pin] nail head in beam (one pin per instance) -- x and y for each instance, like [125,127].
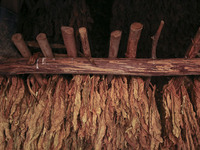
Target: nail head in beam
[69,40]
[134,36]
[115,38]
[84,41]
[44,45]
[21,45]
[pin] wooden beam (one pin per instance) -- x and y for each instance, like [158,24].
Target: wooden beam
[122,66]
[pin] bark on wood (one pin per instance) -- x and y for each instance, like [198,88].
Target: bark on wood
[25,52]
[194,47]
[155,39]
[134,36]
[139,67]
[84,41]
[44,45]
[69,41]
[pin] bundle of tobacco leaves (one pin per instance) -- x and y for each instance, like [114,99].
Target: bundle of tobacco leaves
[181,128]
[196,98]
[84,114]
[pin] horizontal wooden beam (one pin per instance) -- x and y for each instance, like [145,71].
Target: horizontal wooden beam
[122,66]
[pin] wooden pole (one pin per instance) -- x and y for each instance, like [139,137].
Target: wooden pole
[84,41]
[115,38]
[155,39]
[44,45]
[122,66]
[134,36]
[25,52]
[69,40]
[21,45]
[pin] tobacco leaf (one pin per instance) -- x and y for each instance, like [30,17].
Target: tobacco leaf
[76,98]
[181,127]
[141,132]
[84,111]
[34,122]
[196,98]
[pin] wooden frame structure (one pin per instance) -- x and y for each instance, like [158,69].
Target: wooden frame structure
[49,64]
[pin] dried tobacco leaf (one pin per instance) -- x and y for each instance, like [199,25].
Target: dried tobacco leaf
[141,132]
[76,98]
[191,126]
[196,98]
[34,122]
[58,115]
[84,111]
[181,127]
[5,134]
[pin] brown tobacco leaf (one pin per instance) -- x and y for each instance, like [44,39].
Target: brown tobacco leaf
[191,126]
[144,129]
[84,111]
[154,121]
[181,128]
[117,113]
[58,115]
[34,121]
[5,135]
[100,134]
[75,92]
[196,98]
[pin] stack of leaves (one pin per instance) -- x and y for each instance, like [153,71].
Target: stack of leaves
[181,128]
[84,114]
[196,98]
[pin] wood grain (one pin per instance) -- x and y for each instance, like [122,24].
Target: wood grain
[122,66]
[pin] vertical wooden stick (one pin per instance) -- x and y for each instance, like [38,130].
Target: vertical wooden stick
[21,45]
[84,41]
[194,47]
[25,52]
[115,38]
[44,45]
[134,36]
[69,41]
[155,39]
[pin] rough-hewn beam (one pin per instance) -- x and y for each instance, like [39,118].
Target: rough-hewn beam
[123,66]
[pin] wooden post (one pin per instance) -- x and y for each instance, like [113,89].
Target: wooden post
[44,45]
[21,45]
[115,38]
[134,36]
[84,41]
[69,40]
[155,40]
[25,52]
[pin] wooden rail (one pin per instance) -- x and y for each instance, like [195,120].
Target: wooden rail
[122,66]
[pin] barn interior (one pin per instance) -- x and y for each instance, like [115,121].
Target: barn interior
[86,111]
